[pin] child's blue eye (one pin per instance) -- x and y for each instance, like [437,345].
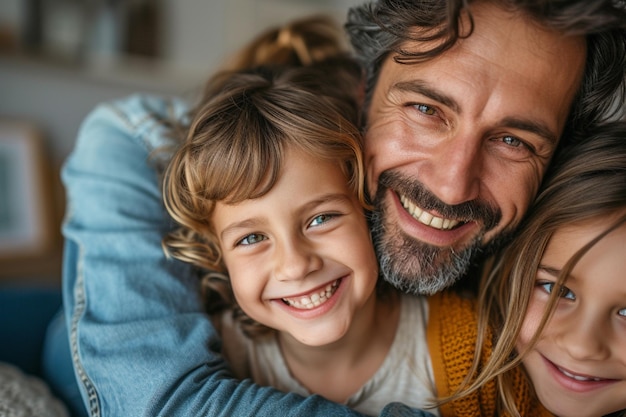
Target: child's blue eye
[321,219]
[622,312]
[564,292]
[251,239]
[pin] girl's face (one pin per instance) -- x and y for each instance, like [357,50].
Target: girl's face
[300,258]
[578,366]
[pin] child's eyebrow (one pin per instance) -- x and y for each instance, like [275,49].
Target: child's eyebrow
[328,198]
[555,272]
[243,224]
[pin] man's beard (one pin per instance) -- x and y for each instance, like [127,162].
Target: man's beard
[421,268]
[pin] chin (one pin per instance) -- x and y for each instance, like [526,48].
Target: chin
[313,341]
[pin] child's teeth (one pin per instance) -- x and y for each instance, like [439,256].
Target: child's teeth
[578,377]
[316,299]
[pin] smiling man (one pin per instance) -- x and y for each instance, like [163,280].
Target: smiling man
[465,104]
[456,146]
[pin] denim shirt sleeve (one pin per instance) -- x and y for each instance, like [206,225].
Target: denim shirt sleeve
[140,342]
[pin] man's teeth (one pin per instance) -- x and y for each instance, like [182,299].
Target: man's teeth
[425,217]
[307,302]
[578,377]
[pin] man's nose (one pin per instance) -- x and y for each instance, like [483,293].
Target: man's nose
[455,168]
[295,258]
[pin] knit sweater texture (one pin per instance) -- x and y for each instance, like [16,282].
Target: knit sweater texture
[452,332]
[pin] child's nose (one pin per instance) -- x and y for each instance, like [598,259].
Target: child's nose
[586,339]
[295,259]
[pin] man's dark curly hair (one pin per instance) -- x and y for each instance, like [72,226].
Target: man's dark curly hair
[379,29]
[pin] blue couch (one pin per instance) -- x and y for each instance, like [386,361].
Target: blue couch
[30,327]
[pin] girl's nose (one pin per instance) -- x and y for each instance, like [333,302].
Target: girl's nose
[585,338]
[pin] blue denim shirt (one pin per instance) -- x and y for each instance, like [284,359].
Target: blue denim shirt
[140,342]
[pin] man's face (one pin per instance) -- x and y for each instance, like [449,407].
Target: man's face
[456,146]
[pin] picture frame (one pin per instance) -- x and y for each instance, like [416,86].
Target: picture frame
[26,207]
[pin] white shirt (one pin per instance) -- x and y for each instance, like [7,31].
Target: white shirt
[405,376]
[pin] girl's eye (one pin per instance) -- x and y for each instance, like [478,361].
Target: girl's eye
[251,239]
[321,219]
[622,312]
[564,292]
[423,108]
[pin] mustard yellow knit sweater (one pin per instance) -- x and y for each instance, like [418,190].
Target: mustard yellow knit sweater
[452,331]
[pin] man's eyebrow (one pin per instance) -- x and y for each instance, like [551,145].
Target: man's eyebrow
[420,87]
[535,127]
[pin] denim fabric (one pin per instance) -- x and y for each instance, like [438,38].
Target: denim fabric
[140,342]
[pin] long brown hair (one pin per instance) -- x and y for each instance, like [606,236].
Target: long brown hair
[586,181]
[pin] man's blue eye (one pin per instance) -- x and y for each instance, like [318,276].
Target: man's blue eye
[425,109]
[251,239]
[512,141]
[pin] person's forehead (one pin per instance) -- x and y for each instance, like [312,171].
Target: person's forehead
[506,58]
[499,31]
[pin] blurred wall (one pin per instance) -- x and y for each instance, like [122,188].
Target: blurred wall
[193,37]
[60,58]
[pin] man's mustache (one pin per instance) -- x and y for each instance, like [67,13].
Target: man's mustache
[474,210]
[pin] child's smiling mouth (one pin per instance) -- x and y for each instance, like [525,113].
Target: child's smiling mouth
[313,299]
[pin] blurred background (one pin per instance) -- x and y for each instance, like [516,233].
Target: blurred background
[59,58]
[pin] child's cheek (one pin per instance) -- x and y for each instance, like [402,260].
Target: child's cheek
[533,317]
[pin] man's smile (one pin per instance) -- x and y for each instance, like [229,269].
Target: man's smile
[425,217]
